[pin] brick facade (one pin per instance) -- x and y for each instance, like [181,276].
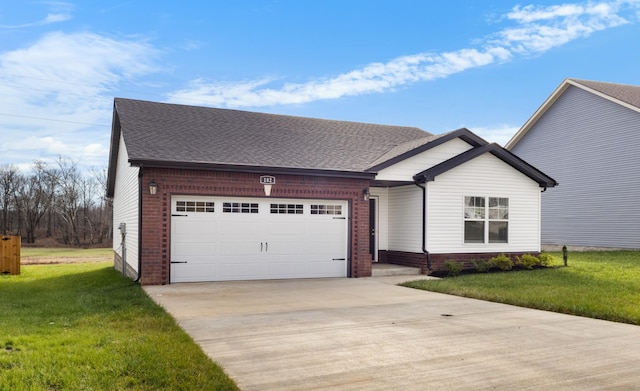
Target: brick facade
[156,209]
[404,258]
[437,260]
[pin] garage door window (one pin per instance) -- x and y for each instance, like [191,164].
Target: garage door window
[239,207]
[326,209]
[195,206]
[290,209]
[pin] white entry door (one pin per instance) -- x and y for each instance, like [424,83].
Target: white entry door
[230,238]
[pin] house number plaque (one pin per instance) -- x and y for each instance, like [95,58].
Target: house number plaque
[267,180]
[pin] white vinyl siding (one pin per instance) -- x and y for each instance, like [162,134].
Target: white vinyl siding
[405,219]
[381,194]
[125,207]
[484,176]
[406,169]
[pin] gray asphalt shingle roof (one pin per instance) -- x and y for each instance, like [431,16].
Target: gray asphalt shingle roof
[161,132]
[623,92]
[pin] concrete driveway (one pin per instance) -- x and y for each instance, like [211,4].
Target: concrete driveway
[368,334]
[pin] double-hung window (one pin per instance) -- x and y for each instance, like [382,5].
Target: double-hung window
[486,219]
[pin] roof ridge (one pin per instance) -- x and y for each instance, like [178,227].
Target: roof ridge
[269,114]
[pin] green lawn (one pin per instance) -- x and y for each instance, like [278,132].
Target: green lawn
[603,285]
[85,327]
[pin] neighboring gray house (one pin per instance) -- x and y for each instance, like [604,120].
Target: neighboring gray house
[586,135]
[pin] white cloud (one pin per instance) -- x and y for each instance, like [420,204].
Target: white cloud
[376,77]
[61,12]
[54,18]
[500,134]
[538,29]
[543,28]
[54,92]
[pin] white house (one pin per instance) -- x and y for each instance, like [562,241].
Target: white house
[207,194]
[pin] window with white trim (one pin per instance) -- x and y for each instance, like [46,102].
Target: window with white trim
[486,219]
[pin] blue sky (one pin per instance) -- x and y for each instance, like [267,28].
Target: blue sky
[439,66]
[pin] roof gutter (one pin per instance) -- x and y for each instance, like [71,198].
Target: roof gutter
[424,224]
[253,169]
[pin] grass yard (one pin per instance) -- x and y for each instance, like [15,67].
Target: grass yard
[597,284]
[83,326]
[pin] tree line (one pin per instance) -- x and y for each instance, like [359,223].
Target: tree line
[56,201]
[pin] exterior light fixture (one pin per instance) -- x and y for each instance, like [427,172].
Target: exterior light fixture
[365,194]
[153,188]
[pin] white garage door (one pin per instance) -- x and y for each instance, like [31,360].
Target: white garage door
[227,238]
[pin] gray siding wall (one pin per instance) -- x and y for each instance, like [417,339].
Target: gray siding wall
[591,146]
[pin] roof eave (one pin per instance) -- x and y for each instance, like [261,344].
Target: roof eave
[539,113]
[150,163]
[557,93]
[113,153]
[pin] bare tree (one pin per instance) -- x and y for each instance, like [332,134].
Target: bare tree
[100,219]
[34,196]
[8,185]
[88,187]
[68,199]
[62,200]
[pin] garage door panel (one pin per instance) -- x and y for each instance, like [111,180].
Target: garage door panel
[239,248]
[283,269]
[326,227]
[186,226]
[186,271]
[288,227]
[242,227]
[326,267]
[187,249]
[239,270]
[219,246]
[322,249]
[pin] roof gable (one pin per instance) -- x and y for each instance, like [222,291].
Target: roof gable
[525,168]
[622,94]
[414,147]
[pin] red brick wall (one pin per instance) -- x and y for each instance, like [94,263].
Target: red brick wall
[405,259]
[156,209]
[437,260]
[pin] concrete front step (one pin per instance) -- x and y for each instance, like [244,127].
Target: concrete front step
[388,269]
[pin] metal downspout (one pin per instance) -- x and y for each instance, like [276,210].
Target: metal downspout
[139,225]
[424,224]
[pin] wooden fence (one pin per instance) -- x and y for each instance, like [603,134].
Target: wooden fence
[9,254]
